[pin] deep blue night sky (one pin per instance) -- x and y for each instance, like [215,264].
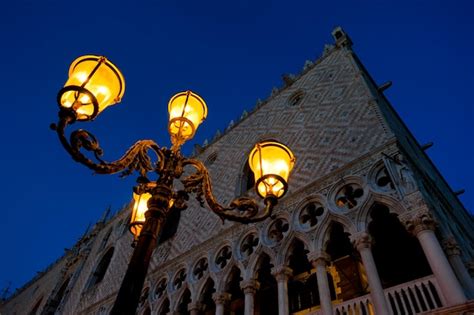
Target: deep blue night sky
[231,53]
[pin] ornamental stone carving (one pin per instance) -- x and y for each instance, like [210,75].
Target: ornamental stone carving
[221,298]
[362,240]
[310,214]
[249,244]
[200,268]
[319,258]
[223,256]
[405,175]
[451,247]
[383,180]
[179,279]
[421,221]
[195,306]
[349,196]
[282,273]
[161,288]
[250,286]
[278,230]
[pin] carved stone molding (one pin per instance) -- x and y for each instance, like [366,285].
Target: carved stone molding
[282,273]
[319,258]
[221,298]
[250,286]
[451,247]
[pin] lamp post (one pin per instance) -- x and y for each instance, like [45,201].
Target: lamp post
[95,83]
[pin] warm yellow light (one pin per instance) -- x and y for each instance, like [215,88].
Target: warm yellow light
[140,206]
[271,163]
[187,111]
[94,84]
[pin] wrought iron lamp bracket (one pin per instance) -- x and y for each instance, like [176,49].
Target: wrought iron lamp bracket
[241,209]
[135,159]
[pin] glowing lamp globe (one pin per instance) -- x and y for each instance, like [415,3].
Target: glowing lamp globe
[187,111]
[94,83]
[140,206]
[271,163]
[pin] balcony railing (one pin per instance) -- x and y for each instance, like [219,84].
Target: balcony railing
[415,297]
[421,295]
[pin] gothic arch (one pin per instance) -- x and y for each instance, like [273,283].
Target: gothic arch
[182,300]
[363,215]
[227,275]
[285,251]
[322,235]
[397,253]
[204,294]
[255,261]
[164,307]
[245,174]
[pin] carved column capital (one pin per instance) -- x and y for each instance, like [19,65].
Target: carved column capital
[451,247]
[319,258]
[195,306]
[282,273]
[250,286]
[221,298]
[362,240]
[421,221]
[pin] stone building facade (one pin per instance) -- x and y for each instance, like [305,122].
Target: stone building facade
[369,226]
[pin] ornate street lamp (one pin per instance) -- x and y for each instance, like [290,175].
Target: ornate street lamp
[94,84]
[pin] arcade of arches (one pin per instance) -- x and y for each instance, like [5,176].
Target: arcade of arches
[349,267]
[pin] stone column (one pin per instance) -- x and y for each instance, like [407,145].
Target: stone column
[282,274]
[320,261]
[249,287]
[453,251]
[194,308]
[363,244]
[220,299]
[422,225]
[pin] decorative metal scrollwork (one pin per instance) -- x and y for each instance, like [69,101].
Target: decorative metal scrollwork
[169,165]
[242,209]
[135,159]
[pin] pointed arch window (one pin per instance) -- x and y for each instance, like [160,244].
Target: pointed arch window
[101,268]
[247,179]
